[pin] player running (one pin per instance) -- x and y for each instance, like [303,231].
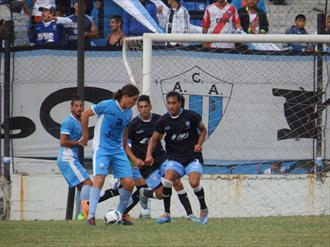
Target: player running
[184,151]
[67,159]
[140,130]
[112,118]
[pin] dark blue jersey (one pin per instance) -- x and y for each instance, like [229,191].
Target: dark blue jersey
[47,33]
[72,33]
[181,136]
[139,133]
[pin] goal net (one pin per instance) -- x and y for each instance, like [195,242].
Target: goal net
[264,105]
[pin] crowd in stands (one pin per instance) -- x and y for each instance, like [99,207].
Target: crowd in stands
[55,22]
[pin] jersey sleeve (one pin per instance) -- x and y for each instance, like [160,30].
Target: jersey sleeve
[159,127]
[196,119]
[65,128]
[100,107]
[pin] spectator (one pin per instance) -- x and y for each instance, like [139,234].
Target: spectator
[91,31]
[177,19]
[132,27]
[116,38]
[327,32]
[50,30]
[221,17]
[21,23]
[253,19]
[90,4]
[239,4]
[36,13]
[276,168]
[299,28]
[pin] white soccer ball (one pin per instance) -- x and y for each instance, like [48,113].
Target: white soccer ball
[112,217]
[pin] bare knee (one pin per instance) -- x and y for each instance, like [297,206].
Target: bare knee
[159,193]
[178,186]
[127,183]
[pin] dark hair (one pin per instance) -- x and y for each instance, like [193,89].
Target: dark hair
[144,98]
[117,18]
[300,16]
[74,98]
[129,90]
[178,96]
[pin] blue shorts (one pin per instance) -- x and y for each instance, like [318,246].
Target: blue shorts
[136,173]
[154,179]
[73,172]
[119,163]
[194,166]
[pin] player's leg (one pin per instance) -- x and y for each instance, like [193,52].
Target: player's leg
[174,170]
[194,171]
[109,193]
[183,197]
[84,196]
[100,170]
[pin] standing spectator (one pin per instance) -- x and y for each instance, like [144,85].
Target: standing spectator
[90,5]
[132,27]
[221,17]
[177,19]
[21,23]
[299,28]
[327,32]
[36,13]
[91,31]
[116,38]
[239,4]
[50,30]
[110,136]
[253,19]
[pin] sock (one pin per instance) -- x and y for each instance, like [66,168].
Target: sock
[108,194]
[167,192]
[135,198]
[149,193]
[94,197]
[78,204]
[199,192]
[84,194]
[183,197]
[124,196]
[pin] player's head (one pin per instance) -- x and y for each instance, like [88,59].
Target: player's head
[300,21]
[47,12]
[77,106]
[127,96]
[252,3]
[221,1]
[115,23]
[327,23]
[144,106]
[174,102]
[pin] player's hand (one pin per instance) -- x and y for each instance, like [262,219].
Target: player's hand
[83,141]
[149,160]
[198,148]
[139,163]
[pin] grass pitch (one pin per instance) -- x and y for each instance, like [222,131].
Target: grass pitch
[266,231]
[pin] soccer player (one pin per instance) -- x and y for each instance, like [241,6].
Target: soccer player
[184,136]
[67,159]
[108,145]
[140,130]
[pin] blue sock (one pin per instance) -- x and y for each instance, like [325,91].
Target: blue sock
[94,197]
[77,199]
[124,197]
[84,194]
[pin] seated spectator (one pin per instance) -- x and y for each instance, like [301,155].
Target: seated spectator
[21,23]
[276,168]
[221,17]
[299,28]
[177,19]
[50,30]
[91,31]
[116,38]
[132,27]
[239,4]
[253,19]
[37,4]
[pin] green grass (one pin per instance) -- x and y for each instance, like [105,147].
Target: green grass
[266,231]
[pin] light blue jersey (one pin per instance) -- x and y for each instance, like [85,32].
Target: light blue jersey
[67,159]
[71,127]
[110,126]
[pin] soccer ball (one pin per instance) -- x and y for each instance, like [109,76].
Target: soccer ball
[112,217]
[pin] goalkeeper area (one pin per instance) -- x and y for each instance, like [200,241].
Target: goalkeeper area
[258,232]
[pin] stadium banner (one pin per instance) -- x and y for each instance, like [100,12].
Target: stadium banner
[246,119]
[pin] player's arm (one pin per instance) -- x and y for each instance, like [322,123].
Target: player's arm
[156,137]
[201,138]
[93,32]
[84,124]
[66,142]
